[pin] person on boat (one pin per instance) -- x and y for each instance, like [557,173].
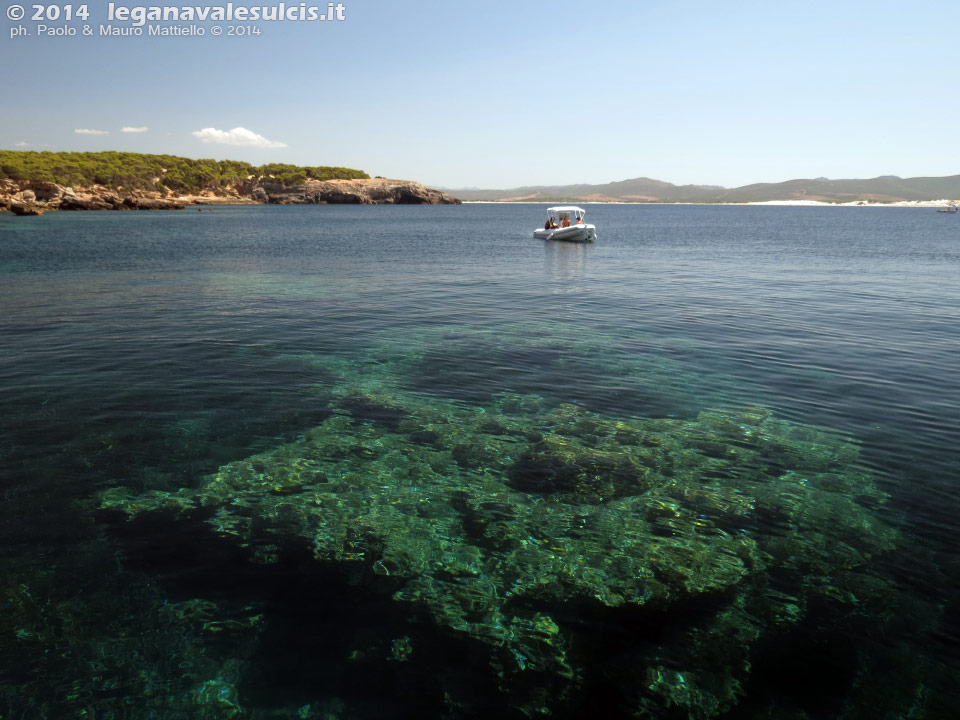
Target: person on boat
[579,220]
[548,225]
[565,222]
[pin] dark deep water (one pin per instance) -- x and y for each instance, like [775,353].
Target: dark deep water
[408,462]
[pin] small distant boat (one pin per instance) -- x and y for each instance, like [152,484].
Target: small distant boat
[948,209]
[566,222]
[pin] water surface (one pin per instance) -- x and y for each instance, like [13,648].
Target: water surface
[380,462]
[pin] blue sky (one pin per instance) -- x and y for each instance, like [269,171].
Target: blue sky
[502,94]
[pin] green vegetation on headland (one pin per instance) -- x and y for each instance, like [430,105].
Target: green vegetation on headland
[154,172]
[32,183]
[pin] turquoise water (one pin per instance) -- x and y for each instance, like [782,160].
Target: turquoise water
[392,462]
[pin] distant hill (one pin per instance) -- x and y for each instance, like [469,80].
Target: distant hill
[886,188]
[635,190]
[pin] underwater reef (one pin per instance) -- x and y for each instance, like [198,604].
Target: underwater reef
[460,523]
[569,554]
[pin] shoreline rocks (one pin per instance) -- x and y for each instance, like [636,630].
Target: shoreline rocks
[20,208]
[34,197]
[375,191]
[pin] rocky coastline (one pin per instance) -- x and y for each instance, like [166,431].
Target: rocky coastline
[31,197]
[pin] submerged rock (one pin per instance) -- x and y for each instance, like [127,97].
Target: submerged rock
[533,531]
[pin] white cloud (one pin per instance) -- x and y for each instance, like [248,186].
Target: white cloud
[87,131]
[134,129]
[22,144]
[237,136]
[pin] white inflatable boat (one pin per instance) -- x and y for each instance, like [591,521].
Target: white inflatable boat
[566,223]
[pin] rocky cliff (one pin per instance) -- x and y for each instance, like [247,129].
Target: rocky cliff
[34,197]
[376,191]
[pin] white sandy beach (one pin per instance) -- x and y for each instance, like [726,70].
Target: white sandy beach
[855,203]
[785,203]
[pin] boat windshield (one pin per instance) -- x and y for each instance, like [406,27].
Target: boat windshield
[564,216]
[570,215]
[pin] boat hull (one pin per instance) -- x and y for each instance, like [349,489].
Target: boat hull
[574,233]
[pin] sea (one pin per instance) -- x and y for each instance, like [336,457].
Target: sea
[376,462]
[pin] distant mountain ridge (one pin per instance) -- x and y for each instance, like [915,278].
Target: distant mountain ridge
[886,188]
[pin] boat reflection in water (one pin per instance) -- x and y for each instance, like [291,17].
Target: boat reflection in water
[565,264]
